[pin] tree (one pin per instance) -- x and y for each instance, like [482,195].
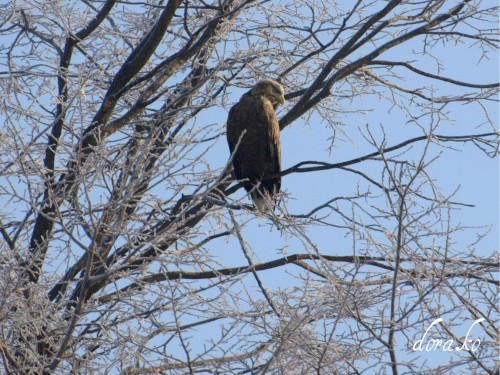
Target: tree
[129,248]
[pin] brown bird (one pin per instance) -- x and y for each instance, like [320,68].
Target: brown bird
[258,155]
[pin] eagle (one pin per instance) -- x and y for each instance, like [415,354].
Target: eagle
[258,154]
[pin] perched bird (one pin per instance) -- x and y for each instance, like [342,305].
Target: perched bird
[258,154]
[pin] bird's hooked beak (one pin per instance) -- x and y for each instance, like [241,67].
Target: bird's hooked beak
[281,100]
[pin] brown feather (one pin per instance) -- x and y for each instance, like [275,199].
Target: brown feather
[259,153]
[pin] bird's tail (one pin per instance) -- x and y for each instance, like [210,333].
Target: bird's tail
[260,201]
[264,201]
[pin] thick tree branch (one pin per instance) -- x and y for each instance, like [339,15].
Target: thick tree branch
[433,76]
[45,218]
[55,193]
[378,262]
[322,85]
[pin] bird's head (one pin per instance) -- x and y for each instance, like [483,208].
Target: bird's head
[272,90]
